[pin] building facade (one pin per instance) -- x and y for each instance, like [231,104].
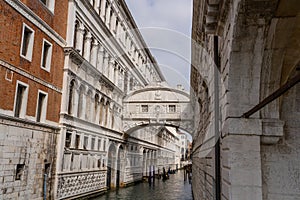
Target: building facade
[69,71]
[32,36]
[106,60]
[245,81]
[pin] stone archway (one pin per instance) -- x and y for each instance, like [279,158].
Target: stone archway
[144,163]
[111,169]
[120,162]
[285,173]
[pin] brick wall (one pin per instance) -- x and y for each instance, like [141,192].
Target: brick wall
[11,23]
[57,19]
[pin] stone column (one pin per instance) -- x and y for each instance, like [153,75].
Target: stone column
[118,28]
[104,114]
[94,53]
[111,115]
[96,145]
[241,158]
[73,138]
[89,143]
[96,5]
[116,75]
[123,34]
[79,37]
[106,64]
[97,111]
[111,69]
[107,15]
[81,141]
[101,112]
[100,58]
[76,98]
[102,9]
[113,22]
[82,113]
[87,46]
[122,80]
[128,44]
[92,108]
[108,116]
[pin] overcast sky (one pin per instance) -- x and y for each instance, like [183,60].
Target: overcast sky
[166,28]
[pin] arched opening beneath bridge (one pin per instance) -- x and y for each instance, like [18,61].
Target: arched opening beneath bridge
[120,167]
[111,159]
[144,163]
[143,125]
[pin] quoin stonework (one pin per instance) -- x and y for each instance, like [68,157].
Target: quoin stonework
[245,70]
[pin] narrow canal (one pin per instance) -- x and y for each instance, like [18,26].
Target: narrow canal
[175,188]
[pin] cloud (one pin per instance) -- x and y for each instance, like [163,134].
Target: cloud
[171,44]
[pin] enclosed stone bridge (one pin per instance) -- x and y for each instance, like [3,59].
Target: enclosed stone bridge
[157,105]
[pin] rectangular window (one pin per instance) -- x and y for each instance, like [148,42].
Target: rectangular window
[46,55]
[21,99]
[85,144]
[19,171]
[49,4]
[47,168]
[93,144]
[68,139]
[99,163]
[27,42]
[104,145]
[99,144]
[41,107]
[144,108]
[172,108]
[77,141]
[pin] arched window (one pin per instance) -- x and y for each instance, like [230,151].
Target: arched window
[106,113]
[96,104]
[113,117]
[71,97]
[84,41]
[101,111]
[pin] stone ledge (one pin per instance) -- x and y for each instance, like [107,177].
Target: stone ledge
[242,126]
[270,130]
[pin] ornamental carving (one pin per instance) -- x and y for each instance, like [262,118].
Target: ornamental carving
[76,184]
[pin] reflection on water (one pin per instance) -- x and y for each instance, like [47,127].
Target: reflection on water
[174,188]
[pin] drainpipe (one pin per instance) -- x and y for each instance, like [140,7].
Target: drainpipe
[45,186]
[217,114]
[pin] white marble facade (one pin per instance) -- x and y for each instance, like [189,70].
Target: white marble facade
[105,61]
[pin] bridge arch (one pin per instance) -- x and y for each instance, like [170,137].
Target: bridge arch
[157,105]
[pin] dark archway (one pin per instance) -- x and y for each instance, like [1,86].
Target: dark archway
[110,166]
[120,159]
[144,163]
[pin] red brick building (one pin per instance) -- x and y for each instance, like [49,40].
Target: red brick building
[32,37]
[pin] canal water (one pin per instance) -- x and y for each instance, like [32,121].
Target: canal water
[174,188]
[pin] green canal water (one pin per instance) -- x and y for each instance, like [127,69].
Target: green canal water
[175,188]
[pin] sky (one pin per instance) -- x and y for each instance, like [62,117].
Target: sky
[166,28]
